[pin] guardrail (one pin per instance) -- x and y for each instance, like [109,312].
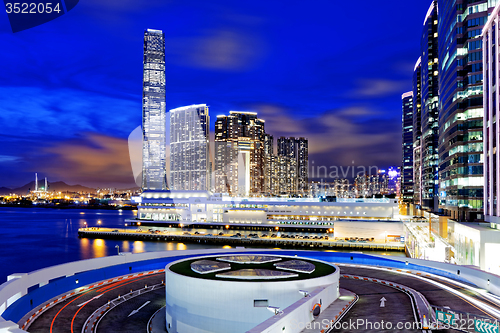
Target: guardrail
[45,284]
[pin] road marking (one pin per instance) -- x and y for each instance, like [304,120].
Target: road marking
[382,302]
[96,297]
[135,311]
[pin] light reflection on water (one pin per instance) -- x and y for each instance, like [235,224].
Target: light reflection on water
[34,238]
[99,248]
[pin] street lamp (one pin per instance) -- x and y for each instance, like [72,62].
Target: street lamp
[85,225]
[99,223]
[117,247]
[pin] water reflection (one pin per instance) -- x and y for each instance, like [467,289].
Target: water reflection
[99,248]
[39,225]
[85,249]
[126,246]
[138,247]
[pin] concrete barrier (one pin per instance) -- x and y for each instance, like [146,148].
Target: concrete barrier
[24,292]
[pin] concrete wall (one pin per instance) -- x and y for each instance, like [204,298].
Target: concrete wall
[296,317]
[337,209]
[197,305]
[377,230]
[245,216]
[15,302]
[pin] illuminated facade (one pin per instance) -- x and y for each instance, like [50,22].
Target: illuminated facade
[407,172]
[154,112]
[417,133]
[203,206]
[297,149]
[430,110]
[491,128]
[189,148]
[461,107]
[239,154]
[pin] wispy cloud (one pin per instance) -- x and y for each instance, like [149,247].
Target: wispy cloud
[63,113]
[216,49]
[96,160]
[339,137]
[379,88]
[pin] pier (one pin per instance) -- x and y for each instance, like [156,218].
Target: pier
[226,239]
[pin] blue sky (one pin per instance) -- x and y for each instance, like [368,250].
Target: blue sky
[331,71]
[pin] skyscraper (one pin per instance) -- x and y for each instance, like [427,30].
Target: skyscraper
[417,133]
[461,106]
[189,148]
[407,172]
[239,154]
[430,110]
[154,112]
[297,149]
[491,122]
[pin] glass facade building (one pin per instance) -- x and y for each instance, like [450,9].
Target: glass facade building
[461,106]
[407,172]
[430,110]
[491,128]
[154,112]
[417,133]
[189,148]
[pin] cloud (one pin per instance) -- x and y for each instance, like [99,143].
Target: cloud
[216,49]
[61,113]
[95,160]
[379,88]
[7,158]
[339,137]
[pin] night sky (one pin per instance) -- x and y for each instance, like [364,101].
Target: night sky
[331,71]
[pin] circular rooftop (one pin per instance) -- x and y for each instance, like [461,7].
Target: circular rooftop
[250,268]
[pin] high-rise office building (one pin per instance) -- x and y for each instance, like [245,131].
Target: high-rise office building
[417,133]
[189,148]
[239,154]
[491,122]
[461,106]
[154,112]
[407,173]
[430,110]
[297,149]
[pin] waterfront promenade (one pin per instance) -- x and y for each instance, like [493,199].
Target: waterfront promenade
[219,237]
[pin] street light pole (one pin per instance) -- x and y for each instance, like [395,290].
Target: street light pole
[117,247]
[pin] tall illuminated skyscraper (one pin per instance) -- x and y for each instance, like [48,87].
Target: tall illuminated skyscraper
[491,123]
[417,133]
[461,111]
[298,150]
[430,110]
[407,172]
[239,154]
[154,112]
[189,148]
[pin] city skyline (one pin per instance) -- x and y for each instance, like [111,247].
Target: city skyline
[81,108]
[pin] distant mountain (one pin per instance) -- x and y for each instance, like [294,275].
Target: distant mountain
[53,186]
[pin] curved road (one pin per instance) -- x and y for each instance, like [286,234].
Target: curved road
[367,315]
[71,314]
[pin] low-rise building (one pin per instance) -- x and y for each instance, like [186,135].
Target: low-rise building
[203,206]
